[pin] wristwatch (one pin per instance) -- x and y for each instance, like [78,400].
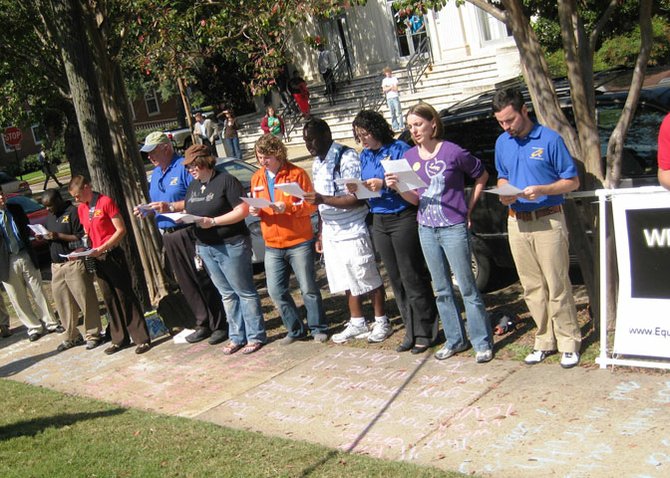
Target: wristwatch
[171,207]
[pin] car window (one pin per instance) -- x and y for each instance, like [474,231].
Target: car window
[242,172]
[28,205]
[6,178]
[640,147]
[479,137]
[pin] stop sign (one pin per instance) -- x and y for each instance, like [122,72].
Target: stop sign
[13,136]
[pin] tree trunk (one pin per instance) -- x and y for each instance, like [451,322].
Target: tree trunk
[74,148]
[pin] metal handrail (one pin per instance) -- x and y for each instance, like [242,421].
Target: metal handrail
[419,62]
[292,116]
[341,73]
[373,97]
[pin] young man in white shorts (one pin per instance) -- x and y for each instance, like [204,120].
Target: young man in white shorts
[344,239]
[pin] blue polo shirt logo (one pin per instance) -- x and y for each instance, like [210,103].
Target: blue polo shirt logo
[174,181]
[538,154]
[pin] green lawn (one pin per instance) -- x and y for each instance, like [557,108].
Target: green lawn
[48,434]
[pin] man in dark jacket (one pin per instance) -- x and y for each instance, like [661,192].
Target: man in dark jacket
[19,273]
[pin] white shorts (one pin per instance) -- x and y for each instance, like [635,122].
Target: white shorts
[350,265]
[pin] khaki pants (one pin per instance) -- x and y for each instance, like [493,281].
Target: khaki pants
[23,275]
[73,291]
[540,251]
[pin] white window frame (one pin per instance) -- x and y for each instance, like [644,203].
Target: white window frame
[36,137]
[152,96]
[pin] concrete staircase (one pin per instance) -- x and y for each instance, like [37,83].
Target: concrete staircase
[441,86]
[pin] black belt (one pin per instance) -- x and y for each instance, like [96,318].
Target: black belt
[167,230]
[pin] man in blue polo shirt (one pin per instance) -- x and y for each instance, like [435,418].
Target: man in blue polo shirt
[535,159]
[167,189]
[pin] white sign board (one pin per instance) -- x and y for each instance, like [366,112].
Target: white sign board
[642,235]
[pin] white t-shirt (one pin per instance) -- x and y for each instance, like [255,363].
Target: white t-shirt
[392,81]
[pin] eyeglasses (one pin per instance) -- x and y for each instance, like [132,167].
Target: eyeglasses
[361,133]
[191,166]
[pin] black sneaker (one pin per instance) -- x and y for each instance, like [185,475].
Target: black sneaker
[218,336]
[200,334]
[4,331]
[58,329]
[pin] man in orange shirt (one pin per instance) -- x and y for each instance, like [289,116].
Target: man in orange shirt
[289,239]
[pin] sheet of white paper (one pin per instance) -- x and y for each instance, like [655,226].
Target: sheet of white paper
[256,202]
[407,178]
[293,189]
[180,338]
[180,217]
[73,255]
[38,229]
[505,190]
[361,191]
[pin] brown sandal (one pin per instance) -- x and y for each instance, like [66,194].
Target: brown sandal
[251,348]
[231,347]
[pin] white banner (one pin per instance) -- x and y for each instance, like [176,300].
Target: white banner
[642,234]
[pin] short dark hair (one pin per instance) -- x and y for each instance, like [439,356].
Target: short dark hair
[77,183]
[427,112]
[375,124]
[505,97]
[51,196]
[318,127]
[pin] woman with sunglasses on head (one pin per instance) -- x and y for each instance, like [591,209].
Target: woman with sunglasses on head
[224,246]
[444,220]
[395,236]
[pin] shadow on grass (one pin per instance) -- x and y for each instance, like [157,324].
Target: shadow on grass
[29,428]
[330,455]
[20,365]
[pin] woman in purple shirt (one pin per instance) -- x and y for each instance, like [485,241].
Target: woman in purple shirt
[444,219]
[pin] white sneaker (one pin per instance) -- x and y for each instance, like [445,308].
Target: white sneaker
[569,359]
[484,356]
[379,332]
[351,332]
[537,356]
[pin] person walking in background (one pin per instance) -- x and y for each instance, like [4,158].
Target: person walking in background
[444,221]
[105,228]
[204,130]
[19,273]
[230,136]
[664,153]
[48,168]
[395,235]
[289,240]
[71,283]
[272,123]
[167,189]
[344,238]
[535,159]
[392,91]
[225,247]
[326,63]
[298,88]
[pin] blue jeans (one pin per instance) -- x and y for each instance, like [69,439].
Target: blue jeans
[278,265]
[229,266]
[233,145]
[397,121]
[447,250]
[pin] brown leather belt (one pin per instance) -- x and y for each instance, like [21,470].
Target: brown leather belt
[537,214]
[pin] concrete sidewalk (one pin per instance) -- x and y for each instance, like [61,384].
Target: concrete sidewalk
[501,419]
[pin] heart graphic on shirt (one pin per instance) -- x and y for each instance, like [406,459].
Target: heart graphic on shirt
[435,168]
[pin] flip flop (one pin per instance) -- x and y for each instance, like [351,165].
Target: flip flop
[251,348]
[231,347]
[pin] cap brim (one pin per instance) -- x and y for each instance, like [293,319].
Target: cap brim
[147,148]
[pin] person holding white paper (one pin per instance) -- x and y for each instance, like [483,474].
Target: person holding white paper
[535,158]
[344,238]
[224,245]
[394,231]
[71,283]
[287,230]
[444,220]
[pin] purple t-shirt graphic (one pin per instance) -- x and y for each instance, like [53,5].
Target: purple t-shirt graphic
[443,202]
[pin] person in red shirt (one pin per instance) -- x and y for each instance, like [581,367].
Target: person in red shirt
[289,239]
[664,153]
[105,229]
